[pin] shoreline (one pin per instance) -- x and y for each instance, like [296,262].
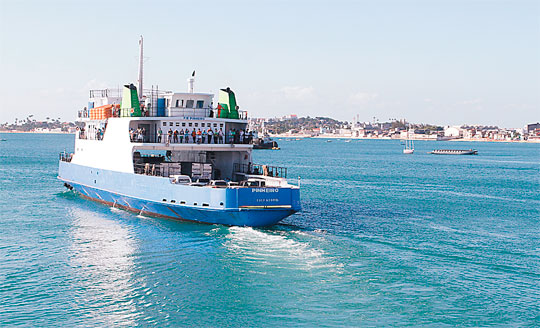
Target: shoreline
[34,132]
[367,138]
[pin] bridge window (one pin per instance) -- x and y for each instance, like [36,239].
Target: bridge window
[189,103]
[177,102]
[200,103]
[164,123]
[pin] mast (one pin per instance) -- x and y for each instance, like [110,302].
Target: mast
[140,80]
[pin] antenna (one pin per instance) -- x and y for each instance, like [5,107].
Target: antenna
[140,80]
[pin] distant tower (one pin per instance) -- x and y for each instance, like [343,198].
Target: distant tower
[191,82]
[140,80]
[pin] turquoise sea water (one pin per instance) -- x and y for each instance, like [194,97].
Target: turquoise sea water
[385,239]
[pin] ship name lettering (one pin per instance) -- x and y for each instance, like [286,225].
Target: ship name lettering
[267,190]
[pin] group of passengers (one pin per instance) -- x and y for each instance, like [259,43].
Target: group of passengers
[194,136]
[203,136]
[240,136]
[137,135]
[98,134]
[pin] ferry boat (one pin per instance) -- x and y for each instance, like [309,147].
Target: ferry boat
[454,152]
[174,155]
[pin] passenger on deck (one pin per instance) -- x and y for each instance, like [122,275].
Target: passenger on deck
[193,135]
[199,135]
[204,134]
[186,135]
[169,136]
[241,136]
[181,135]
[232,135]
[159,134]
[175,136]
[210,135]
[220,136]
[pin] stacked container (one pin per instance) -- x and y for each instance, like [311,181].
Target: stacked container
[201,170]
[101,113]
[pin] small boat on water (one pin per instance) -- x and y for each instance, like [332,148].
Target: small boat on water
[454,152]
[409,145]
[328,140]
[265,143]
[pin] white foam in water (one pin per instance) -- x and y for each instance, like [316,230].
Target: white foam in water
[271,247]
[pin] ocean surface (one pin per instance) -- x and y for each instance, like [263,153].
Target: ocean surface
[385,239]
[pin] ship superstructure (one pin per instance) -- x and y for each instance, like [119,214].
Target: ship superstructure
[175,155]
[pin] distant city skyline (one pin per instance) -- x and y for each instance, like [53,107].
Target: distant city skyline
[439,62]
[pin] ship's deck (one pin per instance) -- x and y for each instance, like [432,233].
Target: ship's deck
[191,146]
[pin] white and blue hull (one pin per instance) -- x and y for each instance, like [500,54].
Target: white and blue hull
[157,196]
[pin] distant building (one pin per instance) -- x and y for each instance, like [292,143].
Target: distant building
[533,128]
[289,117]
[453,131]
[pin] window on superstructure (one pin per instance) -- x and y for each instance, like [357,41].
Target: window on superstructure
[177,124]
[182,103]
[189,103]
[202,125]
[170,123]
[200,103]
[221,124]
[177,101]
[190,124]
[215,124]
[196,124]
[164,123]
[183,123]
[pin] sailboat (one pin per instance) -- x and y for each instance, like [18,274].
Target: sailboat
[409,145]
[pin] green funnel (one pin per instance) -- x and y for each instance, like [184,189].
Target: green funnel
[227,104]
[130,101]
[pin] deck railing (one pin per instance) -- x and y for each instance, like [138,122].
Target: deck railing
[188,139]
[260,169]
[178,112]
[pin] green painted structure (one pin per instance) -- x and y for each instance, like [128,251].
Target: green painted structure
[130,102]
[227,107]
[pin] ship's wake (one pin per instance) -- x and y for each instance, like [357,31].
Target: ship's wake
[281,249]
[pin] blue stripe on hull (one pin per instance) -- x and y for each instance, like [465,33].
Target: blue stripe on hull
[237,217]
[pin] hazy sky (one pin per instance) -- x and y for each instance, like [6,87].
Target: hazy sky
[443,62]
